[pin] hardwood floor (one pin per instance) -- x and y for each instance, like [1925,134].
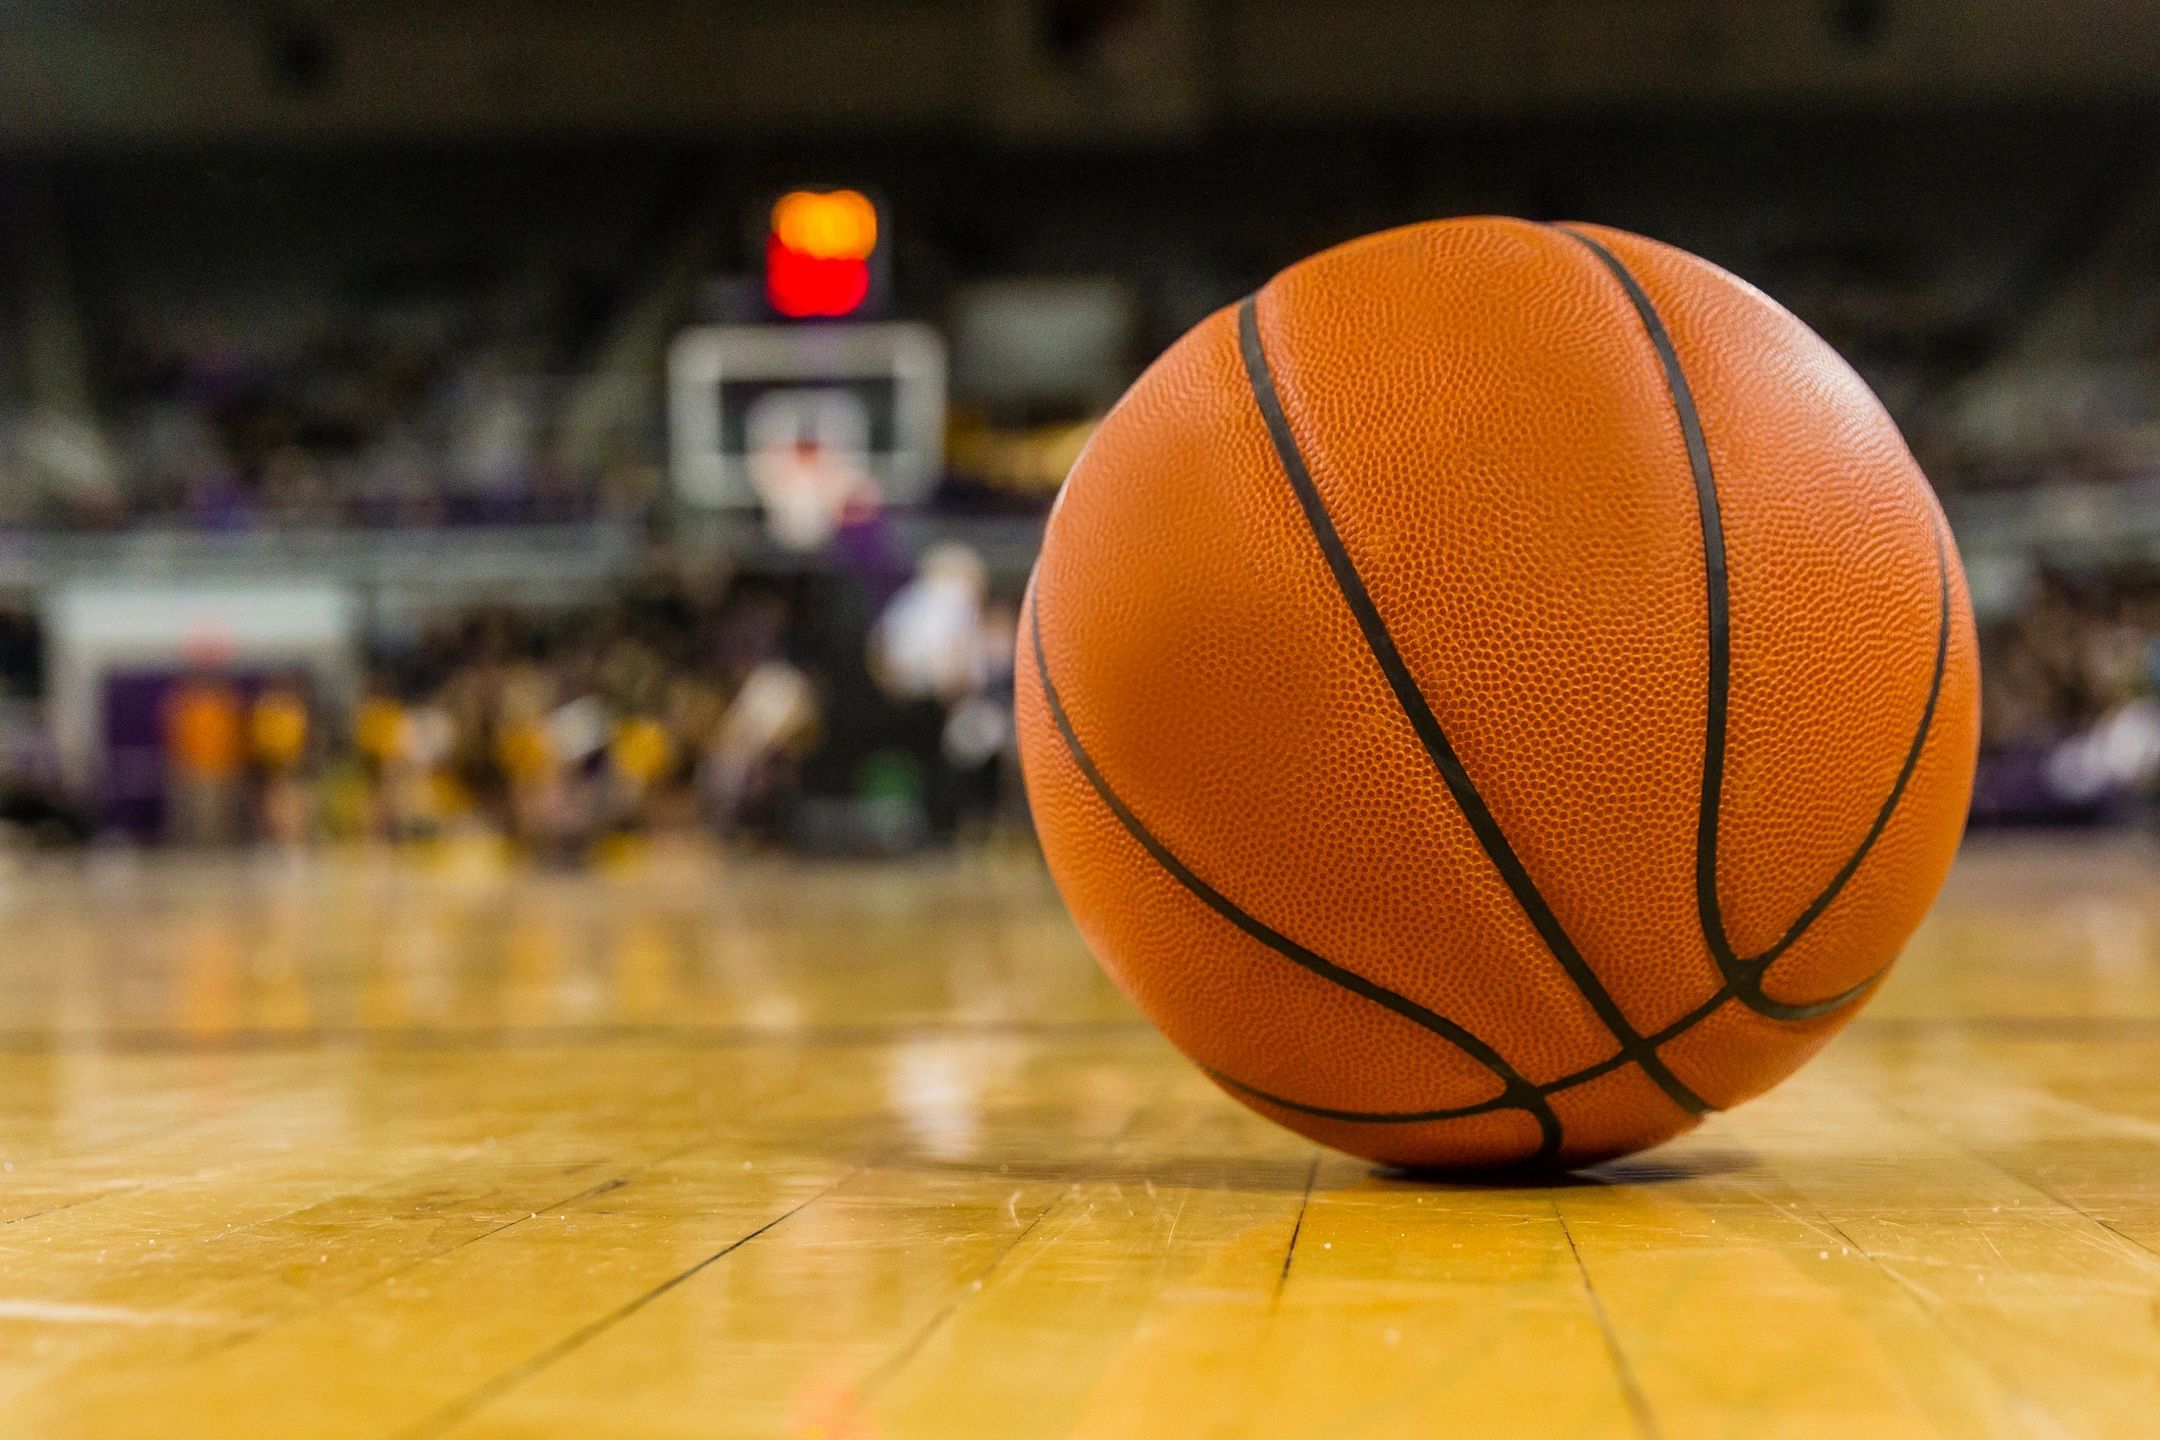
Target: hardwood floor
[371,1147]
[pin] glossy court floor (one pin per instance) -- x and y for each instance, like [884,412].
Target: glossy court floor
[693,1147]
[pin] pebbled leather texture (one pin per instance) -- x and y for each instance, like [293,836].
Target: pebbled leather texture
[1263,843]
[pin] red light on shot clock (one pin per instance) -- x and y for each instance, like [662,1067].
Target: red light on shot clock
[817,256]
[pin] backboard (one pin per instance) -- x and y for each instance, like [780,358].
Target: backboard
[869,396]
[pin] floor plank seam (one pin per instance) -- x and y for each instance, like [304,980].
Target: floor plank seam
[1297,1227]
[463,1408]
[1631,1389]
[885,1369]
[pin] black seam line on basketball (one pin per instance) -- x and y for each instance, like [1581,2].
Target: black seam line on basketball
[1517,1090]
[1569,1081]
[1366,1117]
[1745,973]
[1717,607]
[1654,1040]
[1751,992]
[1422,720]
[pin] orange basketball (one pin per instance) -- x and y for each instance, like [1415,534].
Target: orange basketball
[1497,694]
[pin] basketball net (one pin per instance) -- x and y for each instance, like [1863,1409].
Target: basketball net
[806,464]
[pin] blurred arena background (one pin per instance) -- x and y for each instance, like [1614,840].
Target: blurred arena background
[415,425]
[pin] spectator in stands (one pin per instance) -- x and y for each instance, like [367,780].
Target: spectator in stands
[641,756]
[926,653]
[279,743]
[378,737]
[205,752]
[980,742]
[750,768]
[417,788]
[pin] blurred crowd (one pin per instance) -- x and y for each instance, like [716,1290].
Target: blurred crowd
[2070,724]
[424,425]
[859,708]
[850,711]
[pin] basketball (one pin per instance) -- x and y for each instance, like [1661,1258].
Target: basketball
[1498,694]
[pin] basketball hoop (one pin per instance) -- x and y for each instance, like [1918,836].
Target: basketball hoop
[808,464]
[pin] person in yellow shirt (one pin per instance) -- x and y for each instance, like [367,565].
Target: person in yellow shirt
[278,739]
[641,756]
[378,737]
[536,789]
[278,730]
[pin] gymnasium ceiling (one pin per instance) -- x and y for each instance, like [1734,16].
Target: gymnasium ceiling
[1025,71]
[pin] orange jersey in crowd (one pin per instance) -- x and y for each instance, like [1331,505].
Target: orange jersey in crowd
[203,739]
